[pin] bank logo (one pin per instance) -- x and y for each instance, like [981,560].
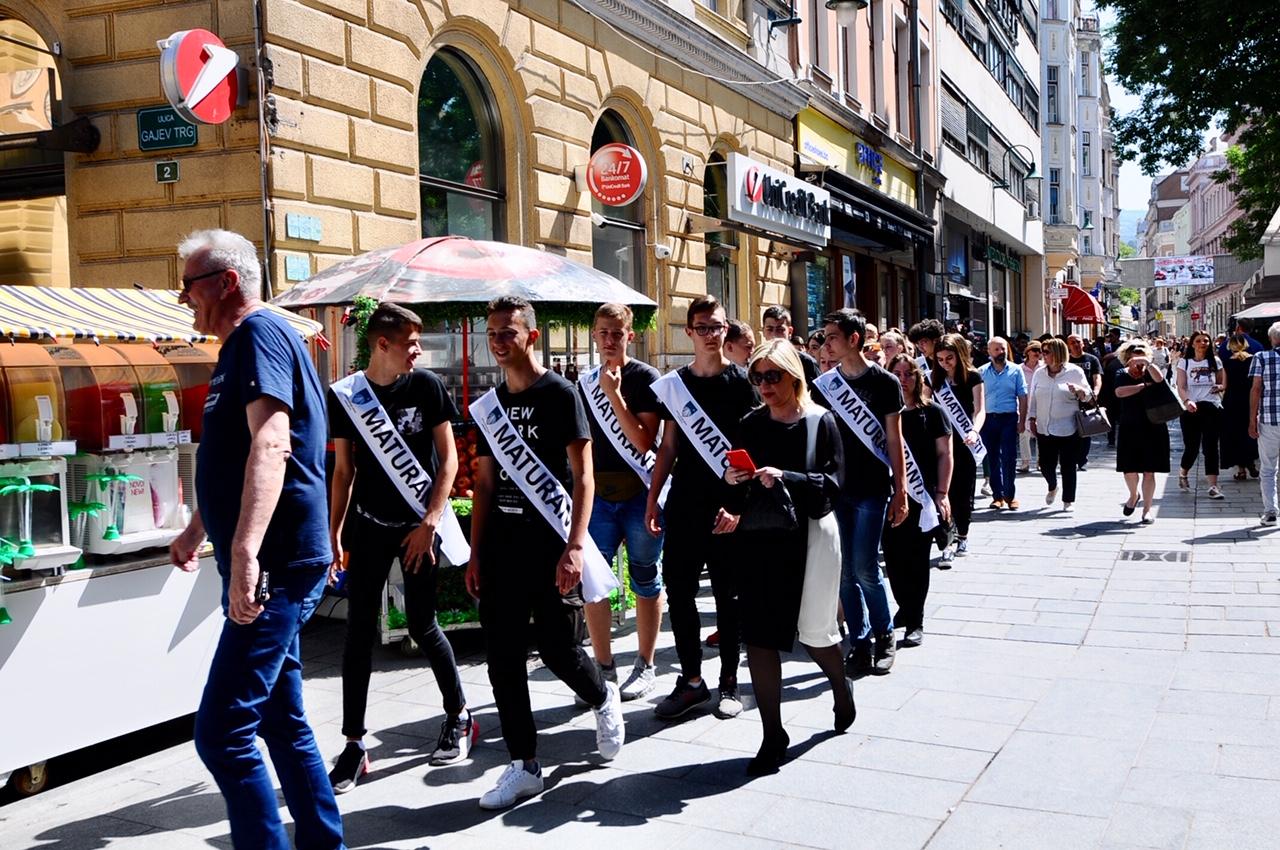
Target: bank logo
[753,183]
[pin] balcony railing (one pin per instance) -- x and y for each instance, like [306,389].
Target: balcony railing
[1087,24]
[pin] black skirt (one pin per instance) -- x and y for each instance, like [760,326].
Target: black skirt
[1142,446]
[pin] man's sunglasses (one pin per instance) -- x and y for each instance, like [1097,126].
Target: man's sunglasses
[769,376]
[187,281]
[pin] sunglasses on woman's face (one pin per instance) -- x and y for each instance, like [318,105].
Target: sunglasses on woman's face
[770,377]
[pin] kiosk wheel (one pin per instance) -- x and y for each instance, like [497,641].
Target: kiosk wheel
[28,781]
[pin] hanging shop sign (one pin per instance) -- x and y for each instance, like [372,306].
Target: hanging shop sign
[199,76]
[616,175]
[821,140]
[776,201]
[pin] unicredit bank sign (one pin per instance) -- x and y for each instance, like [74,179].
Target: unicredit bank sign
[778,202]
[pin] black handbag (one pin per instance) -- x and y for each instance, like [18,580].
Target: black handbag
[1092,421]
[1162,403]
[768,508]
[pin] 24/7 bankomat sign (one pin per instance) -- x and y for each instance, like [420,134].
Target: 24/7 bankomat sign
[775,201]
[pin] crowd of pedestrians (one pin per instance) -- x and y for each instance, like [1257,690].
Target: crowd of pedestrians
[789,469]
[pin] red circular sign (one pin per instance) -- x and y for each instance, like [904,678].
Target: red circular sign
[616,175]
[199,76]
[1195,317]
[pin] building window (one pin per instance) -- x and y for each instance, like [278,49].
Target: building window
[818,50]
[721,245]
[976,148]
[902,77]
[848,64]
[1086,153]
[1055,186]
[874,33]
[1088,244]
[1031,107]
[617,248]
[1084,75]
[460,169]
[1051,95]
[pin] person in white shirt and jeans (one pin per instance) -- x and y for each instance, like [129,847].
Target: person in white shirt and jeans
[1264,418]
[1056,393]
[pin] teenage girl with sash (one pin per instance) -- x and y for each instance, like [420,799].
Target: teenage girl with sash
[955,369]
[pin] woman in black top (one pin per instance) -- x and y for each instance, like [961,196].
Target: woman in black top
[1238,448]
[790,580]
[927,435]
[955,368]
[1142,446]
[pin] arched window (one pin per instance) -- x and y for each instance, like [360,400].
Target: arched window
[617,247]
[721,245]
[459,151]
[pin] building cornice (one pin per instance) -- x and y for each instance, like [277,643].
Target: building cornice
[689,45]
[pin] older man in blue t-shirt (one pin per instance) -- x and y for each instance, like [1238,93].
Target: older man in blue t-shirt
[1005,389]
[260,481]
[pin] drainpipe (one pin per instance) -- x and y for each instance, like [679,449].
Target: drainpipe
[264,148]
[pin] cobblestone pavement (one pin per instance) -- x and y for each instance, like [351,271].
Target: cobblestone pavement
[1084,682]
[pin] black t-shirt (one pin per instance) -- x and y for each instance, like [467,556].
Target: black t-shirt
[865,475]
[416,402]
[810,367]
[726,398]
[1133,409]
[615,479]
[549,416]
[921,428]
[963,390]
[1091,365]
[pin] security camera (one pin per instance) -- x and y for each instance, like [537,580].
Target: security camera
[661,251]
[598,220]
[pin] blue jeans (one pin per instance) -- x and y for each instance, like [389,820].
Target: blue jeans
[862,589]
[614,522]
[255,689]
[1000,436]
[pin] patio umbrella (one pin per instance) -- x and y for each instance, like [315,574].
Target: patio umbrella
[462,272]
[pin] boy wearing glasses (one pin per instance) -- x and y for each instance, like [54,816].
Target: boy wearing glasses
[624,429]
[703,404]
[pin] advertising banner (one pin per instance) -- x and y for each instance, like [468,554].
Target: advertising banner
[1183,271]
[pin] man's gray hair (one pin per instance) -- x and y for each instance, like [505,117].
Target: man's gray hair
[1273,333]
[226,250]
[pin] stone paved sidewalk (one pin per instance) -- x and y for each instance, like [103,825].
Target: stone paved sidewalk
[1084,682]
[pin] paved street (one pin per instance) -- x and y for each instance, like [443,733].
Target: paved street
[1084,683]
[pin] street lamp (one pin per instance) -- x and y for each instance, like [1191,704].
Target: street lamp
[846,10]
[1001,183]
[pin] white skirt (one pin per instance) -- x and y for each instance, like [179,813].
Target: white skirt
[821,594]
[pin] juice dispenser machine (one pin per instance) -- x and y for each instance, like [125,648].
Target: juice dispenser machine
[194,365]
[34,533]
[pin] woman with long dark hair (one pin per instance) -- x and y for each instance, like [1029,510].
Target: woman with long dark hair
[1201,382]
[954,374]
[1238,449]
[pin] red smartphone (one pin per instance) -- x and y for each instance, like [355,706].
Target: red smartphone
[739,459]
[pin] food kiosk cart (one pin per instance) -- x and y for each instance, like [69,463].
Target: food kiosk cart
[94,421]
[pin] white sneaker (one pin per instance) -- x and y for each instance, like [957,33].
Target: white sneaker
[986,488]
[611,732]
[639,683]
[514,785]
[948,555]
[1215,493]
[962,546]
[1050,497]
[1069,507]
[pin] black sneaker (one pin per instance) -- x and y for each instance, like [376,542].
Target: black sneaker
[457,736]
[682,699]
[886,648]
[352,763]
[859,661]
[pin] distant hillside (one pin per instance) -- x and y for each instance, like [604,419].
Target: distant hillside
[1129,225]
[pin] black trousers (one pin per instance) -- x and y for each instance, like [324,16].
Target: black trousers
[964,477]
[518,583]
[1202,427]
[906,560]
[687,546]
[1064,452]
[373,547]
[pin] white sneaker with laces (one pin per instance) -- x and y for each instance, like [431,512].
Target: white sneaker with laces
[611,731]
[962,546]
[1069,507]
[1051,496]
[986,488]
[639,683]
[514,785]
[1215,493]
[948,554]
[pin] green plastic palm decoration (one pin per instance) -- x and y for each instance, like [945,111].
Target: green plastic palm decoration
[8,554]
[23,487]
[79,513]
[107,483]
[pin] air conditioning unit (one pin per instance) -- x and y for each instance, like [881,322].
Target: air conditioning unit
[1033,210]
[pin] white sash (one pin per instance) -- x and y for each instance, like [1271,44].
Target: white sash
[543,490]
[959,419]
[413,482]
[607,418]
[846,404]
[697,426]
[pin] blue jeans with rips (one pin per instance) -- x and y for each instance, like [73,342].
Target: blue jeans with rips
[612,524]
[863,592]
[255,689]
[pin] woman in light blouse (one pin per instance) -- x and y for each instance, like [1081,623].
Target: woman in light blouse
[1056,393]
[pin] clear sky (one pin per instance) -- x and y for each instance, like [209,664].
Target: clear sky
[1135,187]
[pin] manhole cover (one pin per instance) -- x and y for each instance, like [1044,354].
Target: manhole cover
[1154,555]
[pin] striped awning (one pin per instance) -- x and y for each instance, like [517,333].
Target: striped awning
[109,315]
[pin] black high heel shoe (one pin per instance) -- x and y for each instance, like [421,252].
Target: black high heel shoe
[773,752]
[845,719]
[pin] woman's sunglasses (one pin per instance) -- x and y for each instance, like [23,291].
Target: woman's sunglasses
[770,377]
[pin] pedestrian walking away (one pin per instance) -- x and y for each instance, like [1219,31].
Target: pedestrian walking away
[790,581]
[1142,446]
[954,378]
[260,482]
[927,435]
[624,428]
[877,486]
[1202,380]
[1092,368]
[1005,389]
[377,521]
[1264,419]
[1237,448]
[702,406]
[1056,393]
[1032,355]
[522,568]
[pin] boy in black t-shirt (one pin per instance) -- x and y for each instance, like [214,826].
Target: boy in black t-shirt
[700,510]
[521,567]
[378,526]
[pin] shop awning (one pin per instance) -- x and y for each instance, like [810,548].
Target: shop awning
[110,315]
[1265,310]
[1082,307]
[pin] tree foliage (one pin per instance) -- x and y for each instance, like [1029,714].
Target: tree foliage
[1127,295]
[1127,251]
[1195,65]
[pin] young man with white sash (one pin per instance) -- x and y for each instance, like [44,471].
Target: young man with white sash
[874,484]
[531,556]
[624,429]
[704,402]
[392,437]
